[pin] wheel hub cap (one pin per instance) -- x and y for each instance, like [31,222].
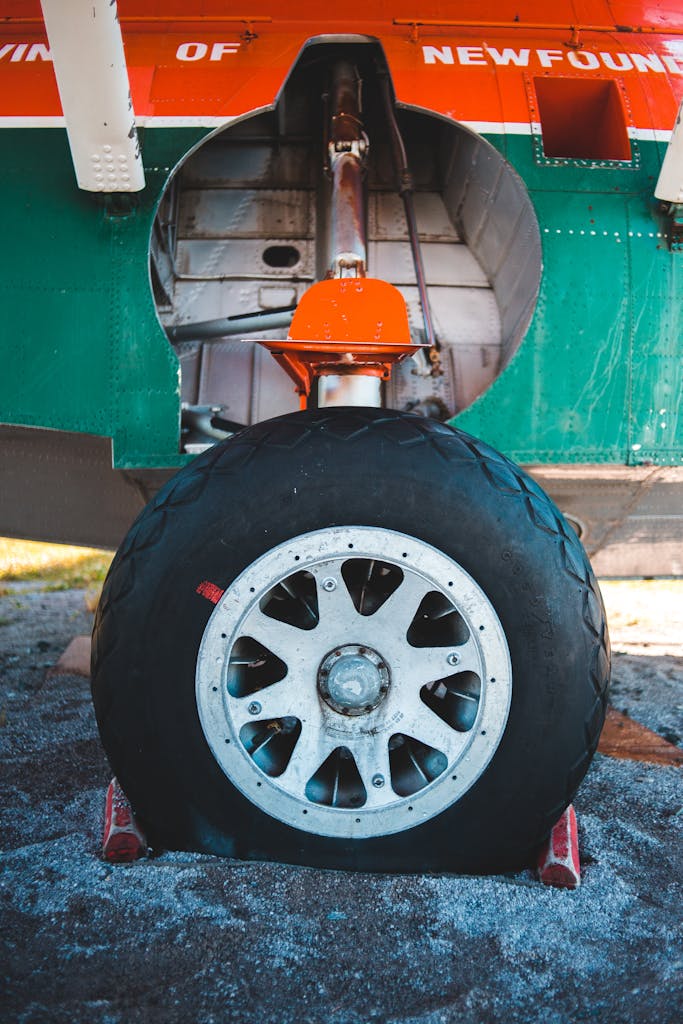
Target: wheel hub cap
[353,680]
[361,739]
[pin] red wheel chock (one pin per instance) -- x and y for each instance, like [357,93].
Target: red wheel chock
[123,838]
[124,841]
[558,860]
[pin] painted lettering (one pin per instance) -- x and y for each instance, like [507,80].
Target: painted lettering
[509,56]
[192,51]
[617,61]
[442,54]
[219,49]
[548,57]
[583,59]
[673,65]
[39,50]
[649,62]
[471,55]
[25,51]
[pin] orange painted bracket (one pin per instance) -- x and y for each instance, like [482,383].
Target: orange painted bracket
[350,325]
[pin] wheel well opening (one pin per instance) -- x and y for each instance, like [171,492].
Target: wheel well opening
[243,225]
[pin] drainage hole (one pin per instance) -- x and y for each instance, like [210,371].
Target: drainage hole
[281,256]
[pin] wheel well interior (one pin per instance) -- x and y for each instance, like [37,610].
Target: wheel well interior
[243,223]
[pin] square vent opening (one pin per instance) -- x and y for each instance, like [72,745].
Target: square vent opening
[582,119]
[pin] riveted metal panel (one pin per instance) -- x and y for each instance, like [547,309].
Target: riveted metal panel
[387,218]
[630,516]
[235,166]
[244,213]
[207,258]
[83,348]
[572,371]
[447,265]
[602,355]
[600,360]
[61,487]
[656,400]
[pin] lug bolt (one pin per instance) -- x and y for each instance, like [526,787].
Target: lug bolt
[378,781]
[453,658]
[329,584]
[254,708]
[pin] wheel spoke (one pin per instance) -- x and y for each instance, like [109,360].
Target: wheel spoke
[394,617]
[423,724]
[285,699]
[371,754]
[335,606]
[421,665]
[287,642]
[311,749]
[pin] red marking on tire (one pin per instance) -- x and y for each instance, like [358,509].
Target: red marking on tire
[210,591]
[123,838]
[558,861]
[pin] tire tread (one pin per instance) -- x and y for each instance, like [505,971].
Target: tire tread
[349,427]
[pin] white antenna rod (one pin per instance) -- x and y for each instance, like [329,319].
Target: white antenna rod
[670,183]
[92,77]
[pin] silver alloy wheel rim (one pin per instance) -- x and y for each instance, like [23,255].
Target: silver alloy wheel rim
[334,773]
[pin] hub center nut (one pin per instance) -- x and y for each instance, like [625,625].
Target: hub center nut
[353,679]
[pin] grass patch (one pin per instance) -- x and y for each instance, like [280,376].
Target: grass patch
[645,611]
[55,566]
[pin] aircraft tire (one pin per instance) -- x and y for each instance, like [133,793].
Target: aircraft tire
[242,619]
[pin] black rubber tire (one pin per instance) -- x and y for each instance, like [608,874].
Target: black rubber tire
[361,467]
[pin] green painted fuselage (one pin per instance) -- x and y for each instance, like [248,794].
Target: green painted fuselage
[598,376]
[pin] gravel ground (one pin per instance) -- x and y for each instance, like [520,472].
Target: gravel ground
[183,937]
